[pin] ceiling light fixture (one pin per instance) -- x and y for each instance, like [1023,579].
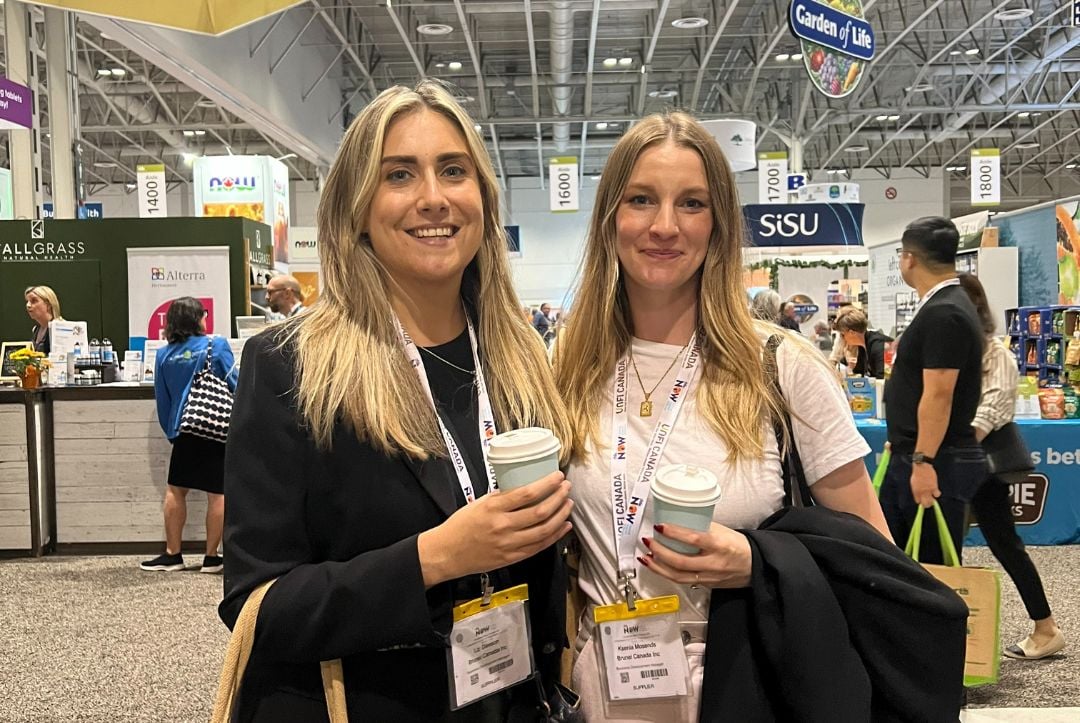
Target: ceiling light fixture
[956,52]
[971,51]
[689,23]
[118,72]
[601,126]
[454,65]
[104,164]
[131,186]
[434,29]
[893,118]
[1006,16]
[189,158]
[1027,145]
[881,118]
[1070,166]
[595,178]
[857,149]
[796,56]
[104,72]
[479,128]
[626,62]
[663,93]
[1024,114]
[200,133]
[781,57]
[920,88]
[440,65]
[610,62]
[189,134]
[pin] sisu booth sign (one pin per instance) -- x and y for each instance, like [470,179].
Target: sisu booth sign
[805,224]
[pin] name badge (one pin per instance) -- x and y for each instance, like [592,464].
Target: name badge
[490,648]
[642,649]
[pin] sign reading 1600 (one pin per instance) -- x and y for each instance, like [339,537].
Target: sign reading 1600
[836,42]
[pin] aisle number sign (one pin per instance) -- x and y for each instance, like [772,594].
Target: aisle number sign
[1076,13]
[152,191]
[563,182]
[772,177]
[985,177]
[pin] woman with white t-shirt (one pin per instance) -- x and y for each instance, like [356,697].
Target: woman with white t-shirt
[662,289]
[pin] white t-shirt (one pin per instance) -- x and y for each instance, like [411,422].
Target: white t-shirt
[825,435]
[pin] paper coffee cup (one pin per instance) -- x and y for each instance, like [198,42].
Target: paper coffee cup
[523,456]
[684,495]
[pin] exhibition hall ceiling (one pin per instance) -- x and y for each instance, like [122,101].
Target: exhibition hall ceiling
[567,77]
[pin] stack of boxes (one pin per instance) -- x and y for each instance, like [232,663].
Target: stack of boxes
[1038,335]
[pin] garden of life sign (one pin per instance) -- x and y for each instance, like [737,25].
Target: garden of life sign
[837,42]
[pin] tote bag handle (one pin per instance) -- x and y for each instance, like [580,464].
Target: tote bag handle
[948,549]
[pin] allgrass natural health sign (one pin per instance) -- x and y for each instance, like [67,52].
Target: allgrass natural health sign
[837,42]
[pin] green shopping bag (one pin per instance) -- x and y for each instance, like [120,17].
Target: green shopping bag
[981,590]
[882,468]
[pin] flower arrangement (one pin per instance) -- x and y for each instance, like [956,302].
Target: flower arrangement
[28,364]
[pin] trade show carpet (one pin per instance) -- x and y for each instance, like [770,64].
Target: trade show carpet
[97,639]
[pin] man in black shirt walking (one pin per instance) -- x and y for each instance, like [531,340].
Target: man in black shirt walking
[933,393]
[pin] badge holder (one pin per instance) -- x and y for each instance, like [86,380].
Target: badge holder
[490,645]
[642,650]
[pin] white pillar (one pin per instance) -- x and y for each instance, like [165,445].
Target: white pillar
[62,83]
[24,150]
[795,155]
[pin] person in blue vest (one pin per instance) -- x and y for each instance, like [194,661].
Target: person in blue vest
[196,462]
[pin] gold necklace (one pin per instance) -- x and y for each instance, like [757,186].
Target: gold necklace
[444,361]
[645,410]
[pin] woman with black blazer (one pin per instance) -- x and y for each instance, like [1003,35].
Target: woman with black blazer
[338,470]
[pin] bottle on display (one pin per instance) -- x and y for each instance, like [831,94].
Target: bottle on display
[107,357]
[95,351]
[78,350]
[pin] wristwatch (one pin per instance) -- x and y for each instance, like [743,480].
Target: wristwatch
[920,458]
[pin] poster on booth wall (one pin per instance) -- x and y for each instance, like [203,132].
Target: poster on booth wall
[1068,252]
[255,187]
[7,198]
[279,220]
[157,276]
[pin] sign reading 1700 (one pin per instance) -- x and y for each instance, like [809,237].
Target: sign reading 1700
[819,23]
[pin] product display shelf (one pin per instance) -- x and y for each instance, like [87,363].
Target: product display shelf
[1038,336]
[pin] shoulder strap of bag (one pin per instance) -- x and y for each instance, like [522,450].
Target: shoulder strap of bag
[797,494]
[238,653]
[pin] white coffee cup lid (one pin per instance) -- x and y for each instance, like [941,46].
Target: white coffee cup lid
[685,484]
[522,445]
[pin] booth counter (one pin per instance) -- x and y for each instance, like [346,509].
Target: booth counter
[1046,505]
[88,468]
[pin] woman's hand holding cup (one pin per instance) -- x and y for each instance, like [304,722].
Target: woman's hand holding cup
[725,559]
[497,530]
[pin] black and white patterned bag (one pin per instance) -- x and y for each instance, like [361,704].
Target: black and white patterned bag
[209,404]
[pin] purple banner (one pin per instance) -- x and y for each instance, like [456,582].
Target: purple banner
[14,105]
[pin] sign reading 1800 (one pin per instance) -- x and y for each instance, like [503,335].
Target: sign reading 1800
[836,42]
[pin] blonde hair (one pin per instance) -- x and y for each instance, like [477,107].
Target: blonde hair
[733,395]
[351,365]
[50,298]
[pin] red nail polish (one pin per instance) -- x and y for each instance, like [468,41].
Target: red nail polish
[643,561]
[647,541]
[659,528]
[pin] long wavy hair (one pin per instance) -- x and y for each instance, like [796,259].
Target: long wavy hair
[352,367]
[733,395]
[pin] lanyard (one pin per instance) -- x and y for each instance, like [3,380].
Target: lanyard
[487,418]
[931,292]
[627,512]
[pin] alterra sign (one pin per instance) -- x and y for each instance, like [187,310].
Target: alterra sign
[837,42]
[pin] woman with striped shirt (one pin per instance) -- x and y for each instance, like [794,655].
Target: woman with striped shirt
[991,503]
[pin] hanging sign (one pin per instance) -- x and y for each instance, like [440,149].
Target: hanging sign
[15,105]
[805,224]
[772,174]
[837,42]
[151,182]
[985,177]
[563,182]
[1076,13]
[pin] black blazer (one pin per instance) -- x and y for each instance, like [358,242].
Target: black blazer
[871,361]
[338,530]
[838,624]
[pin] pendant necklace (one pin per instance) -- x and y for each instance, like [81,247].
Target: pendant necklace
[448,363]
[645,410]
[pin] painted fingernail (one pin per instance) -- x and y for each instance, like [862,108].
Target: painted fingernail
[647,541]
[659,528]
[643,561]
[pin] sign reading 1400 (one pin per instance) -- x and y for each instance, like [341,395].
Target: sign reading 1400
[836,42]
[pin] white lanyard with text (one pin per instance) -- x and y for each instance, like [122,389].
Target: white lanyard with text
[627,512]
[487,418]
[931,292]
